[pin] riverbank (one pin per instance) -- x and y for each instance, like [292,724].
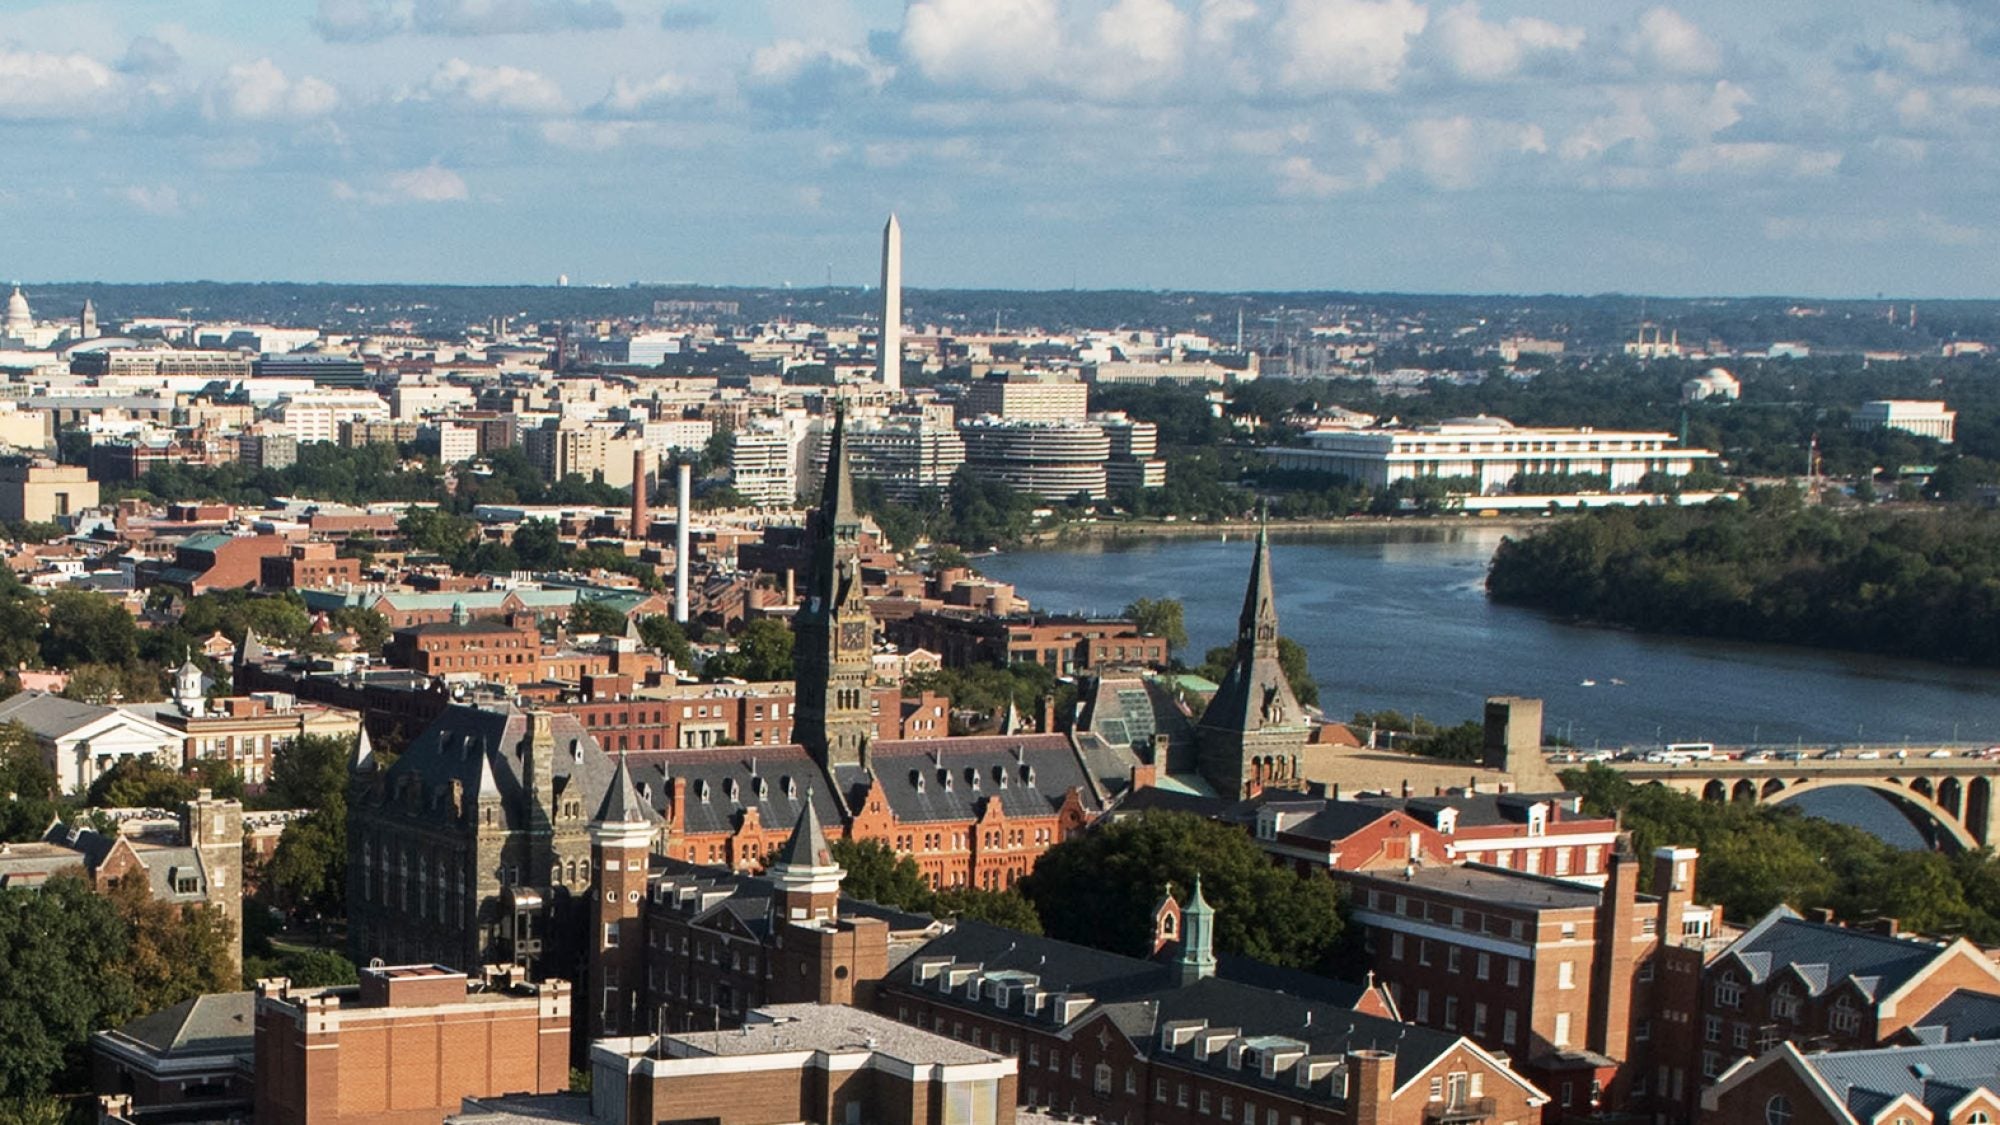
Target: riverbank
[1163,529]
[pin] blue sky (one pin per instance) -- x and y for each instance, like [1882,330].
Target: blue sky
[1814,147]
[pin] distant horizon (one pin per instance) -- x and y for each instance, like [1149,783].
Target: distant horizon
[1826,149]
[28,289]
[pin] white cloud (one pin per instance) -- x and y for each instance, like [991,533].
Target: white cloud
[429,184]
[1001,44]
[512,17]
[1666,40]
[507,88]
[1300,178]
[1459,152]
[355,21]
[38,85]
[630,96]
[1756,158]
[1484,50]
[260,91]
[160,200]
[587,136]
[1347,44]
[1150,32]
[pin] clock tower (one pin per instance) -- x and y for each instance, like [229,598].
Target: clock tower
[833,634]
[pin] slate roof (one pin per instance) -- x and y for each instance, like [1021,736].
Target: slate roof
[1117,721]
[953,778]
[1828,955]
[1960,1017]
[212,1024]
[723,783]
[467,743]
[748,898]
[1938,1077]
[50,716]
[1141,996]
[621,804]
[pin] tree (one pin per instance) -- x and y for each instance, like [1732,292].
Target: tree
[1162,617]
[539,544]
[665,636]
[27,785]
[434,531]
[763,652]
[218,777]
[140,783]
[1100,888]
[61,946]
[173,952]
[371,629]
[310,772]
[878,873]
[308,871]
[1009,908]
[88,628]
[596,615]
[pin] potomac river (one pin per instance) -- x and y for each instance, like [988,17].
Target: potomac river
[1398,618]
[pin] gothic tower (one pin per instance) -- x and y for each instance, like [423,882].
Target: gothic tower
[621,844]
[1254,732]
[833,633]
[804,874]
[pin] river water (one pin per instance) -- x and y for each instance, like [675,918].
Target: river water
[1399,618]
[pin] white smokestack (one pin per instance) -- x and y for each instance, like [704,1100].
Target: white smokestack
[686,486]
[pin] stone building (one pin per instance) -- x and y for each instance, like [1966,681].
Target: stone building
[1253,734]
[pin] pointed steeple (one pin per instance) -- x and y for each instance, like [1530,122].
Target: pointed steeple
[622,804]
[1257,626]
[251,651]
[1012,723]
[836,502]
[489,786]
[363,759]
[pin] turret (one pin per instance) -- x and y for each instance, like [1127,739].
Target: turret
[1196,959]
[621,838]
[805,875]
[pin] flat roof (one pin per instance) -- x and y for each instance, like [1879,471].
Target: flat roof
[1494,886]
[832,1028]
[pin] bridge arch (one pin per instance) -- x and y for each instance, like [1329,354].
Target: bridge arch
[1715,791]
[1745,790]
[1923,785]
[1772,788]
[1950,796]
[1946,821]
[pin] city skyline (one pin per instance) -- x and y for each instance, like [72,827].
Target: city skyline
[1681,149]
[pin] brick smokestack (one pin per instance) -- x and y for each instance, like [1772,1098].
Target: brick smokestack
[642,517]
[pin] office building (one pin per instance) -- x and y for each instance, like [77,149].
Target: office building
[44,492]
[1027,396]
[763,465]
[1057,461]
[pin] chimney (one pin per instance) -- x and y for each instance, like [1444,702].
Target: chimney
[684,485]
[1618,931]
[642,518]
[1049,713]
[1371,1086]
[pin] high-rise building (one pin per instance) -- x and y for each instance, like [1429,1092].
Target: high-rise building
[890,363]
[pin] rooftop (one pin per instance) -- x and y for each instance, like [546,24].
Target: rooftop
[831,1028]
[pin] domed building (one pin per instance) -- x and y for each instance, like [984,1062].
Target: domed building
[20,321]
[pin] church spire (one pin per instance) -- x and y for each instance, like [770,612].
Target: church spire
[836,502]
[1257,627]
[1253,729]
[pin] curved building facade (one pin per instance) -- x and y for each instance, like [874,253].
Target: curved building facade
[1053,460]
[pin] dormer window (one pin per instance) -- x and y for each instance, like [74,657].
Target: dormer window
[791,787]
[701,791]
[1448,821]
[576,749]
[917,780]
[1538,820]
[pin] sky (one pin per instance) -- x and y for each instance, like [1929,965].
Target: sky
[1694,147]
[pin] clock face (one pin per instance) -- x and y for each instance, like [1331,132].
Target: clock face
[853,635]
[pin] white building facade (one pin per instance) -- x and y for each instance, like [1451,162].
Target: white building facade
[1492,451]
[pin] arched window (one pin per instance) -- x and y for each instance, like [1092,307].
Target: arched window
[1978,1117]
[1778,1110]
[1728,991]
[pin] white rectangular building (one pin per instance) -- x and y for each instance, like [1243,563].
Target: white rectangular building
[1491,450]
[1924,419]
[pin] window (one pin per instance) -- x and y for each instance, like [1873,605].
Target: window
[1561,1036]
[1479,1020]
[1101,1080]
[1451,1012]
[1396,947]
[1437,1089]
[1711,1064]
[1513,973]
[1159,1089]
[1509,1026]
[1844,1018]
[1740,1037]
[1978,1117]
[1483,967]
[1712,1029]
[1728,991]
[1203,1104]
[1228,1107]
[1778,1110]
[1181,1095]
[1646,970]
[1423,1005]
[1451,959]
[1785,1003]
[1565,974]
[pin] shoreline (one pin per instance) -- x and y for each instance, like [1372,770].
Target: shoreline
[1159,529]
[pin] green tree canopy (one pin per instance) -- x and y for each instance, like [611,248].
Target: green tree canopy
[173,952]
[310,772]
[763,652]
[1162,617]
[665,636]
[88,628]
[27,786]
[596,615]
[140,783]
[62,947]
[878,873]
[1100,888]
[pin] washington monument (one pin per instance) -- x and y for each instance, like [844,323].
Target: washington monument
[890,363]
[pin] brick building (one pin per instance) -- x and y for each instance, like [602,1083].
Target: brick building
[406,1046]
[501,652]
[195,1060]
[1064,645]
[1825,986]
[1557,974]
[215,561]
[306,565]
[1535,833]
[1948,1084]
[802,1062]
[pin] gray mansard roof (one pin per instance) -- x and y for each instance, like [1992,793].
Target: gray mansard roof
[483,746]
[952,778]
